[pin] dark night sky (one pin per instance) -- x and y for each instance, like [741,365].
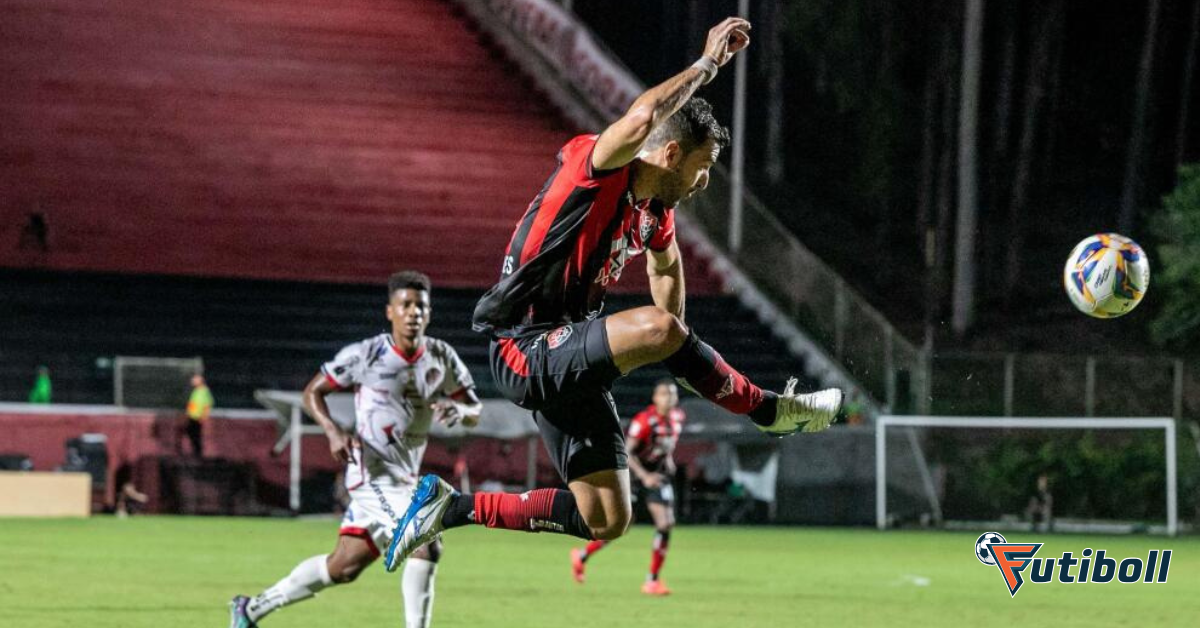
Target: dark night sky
[1080,147]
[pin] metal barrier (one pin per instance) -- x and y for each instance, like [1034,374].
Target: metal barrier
[1046,384]
[889,367]
[898,375]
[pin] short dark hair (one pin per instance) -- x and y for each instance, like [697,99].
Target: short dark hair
[666,381]
[691,126]
[407,279]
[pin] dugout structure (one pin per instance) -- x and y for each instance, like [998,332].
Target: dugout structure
[883,423]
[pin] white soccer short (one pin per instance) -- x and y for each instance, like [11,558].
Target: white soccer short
[374,508]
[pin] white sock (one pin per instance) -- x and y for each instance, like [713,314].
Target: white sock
[306,579]
[418,592]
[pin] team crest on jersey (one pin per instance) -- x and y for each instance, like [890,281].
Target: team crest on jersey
[433,376]
[556,338]
[648,227]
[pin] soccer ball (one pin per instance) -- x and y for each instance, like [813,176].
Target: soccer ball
[981,547]
[1106,275]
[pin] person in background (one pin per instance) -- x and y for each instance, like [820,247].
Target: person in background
[41,387]
[1041,505]
[129,498]
[855,410]
[404,382]
[199,406]
[650,443]
[35,235]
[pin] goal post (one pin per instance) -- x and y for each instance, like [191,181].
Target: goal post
[1167,425]
[153,382]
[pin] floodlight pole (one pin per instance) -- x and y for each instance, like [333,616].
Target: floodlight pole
[738,159]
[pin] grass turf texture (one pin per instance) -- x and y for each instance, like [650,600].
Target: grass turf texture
[180,572]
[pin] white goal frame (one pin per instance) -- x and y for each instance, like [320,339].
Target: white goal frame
[882,423]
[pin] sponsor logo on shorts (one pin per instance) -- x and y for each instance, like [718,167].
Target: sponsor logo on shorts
[556,338]
[1015,559]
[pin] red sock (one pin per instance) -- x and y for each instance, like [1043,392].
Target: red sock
[659,554]
[592,548]
[540,510]
[707,372]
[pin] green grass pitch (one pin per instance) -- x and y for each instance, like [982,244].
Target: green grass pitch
[179,572]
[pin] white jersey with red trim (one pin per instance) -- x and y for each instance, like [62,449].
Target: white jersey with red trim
[392,402]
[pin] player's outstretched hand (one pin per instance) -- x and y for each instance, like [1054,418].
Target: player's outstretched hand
[727,39]
[446,412]
[341,446]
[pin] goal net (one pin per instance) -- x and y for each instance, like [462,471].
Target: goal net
[142,382]
[1066,474]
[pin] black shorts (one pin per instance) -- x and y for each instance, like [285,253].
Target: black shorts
[564,376]
[663,494]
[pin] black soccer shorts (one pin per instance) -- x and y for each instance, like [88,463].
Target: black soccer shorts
[564,377]
[663,494]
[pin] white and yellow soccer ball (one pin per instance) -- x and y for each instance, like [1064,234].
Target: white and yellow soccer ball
[1106,275]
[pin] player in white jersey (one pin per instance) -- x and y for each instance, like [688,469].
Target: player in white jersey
[403,381]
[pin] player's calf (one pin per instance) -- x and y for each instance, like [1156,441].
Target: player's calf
[540,510]
[306,580]
[701,368]
[418,585]
[350,557]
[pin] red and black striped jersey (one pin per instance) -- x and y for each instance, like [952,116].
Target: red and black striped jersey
[571,244]
[654,436]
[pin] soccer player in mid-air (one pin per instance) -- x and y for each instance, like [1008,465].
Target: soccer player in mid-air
[404,380]
[650,444]
[610,199]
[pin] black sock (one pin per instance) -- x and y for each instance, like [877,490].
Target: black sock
[764,414]
[707,374]
[565,510]
[460,512]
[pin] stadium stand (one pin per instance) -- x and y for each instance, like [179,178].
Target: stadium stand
[323,148]
[275,334]
[271,139]
[276,142]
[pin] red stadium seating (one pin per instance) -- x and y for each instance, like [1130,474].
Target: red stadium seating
[281,139]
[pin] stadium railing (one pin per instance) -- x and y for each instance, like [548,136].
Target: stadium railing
[591,86]
[845,340]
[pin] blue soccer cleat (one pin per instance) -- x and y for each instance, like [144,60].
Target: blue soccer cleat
[238,617]
[422,522]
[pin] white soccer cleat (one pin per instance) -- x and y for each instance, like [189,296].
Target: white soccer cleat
[804,413]
[422,522]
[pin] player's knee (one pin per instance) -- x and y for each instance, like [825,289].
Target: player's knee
[614,528]
[346,563]
[661,329]
[343,573]
[608,532]
[431,552]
